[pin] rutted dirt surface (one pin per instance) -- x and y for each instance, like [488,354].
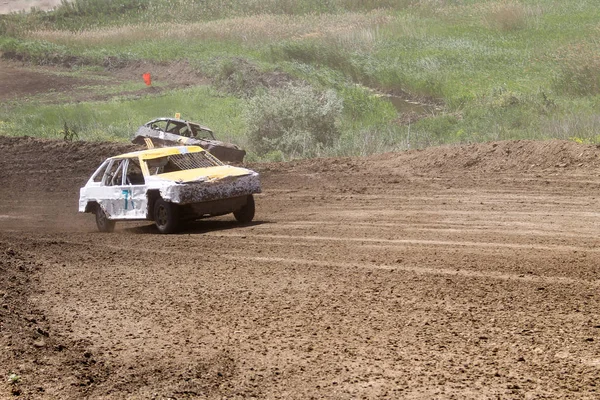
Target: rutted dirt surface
[457,272]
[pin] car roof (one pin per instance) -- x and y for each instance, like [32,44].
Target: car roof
[204,128]
[160,152]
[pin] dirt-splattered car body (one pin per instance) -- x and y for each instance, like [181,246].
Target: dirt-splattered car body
[168,185]
[165,132]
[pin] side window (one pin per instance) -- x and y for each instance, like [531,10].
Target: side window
[195,130]
[184,131]
[100,173]
[134,175]
[200,133]
[114,173]
[159,125]
[176,128]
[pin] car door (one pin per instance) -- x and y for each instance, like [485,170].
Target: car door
[120,196]
[126,191]
[133,190]
[113,200]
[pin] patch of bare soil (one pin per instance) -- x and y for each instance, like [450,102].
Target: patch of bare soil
[18,80]
[175,73]
[32,350]
[451,273]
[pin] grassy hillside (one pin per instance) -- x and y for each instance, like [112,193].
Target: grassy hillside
[482,70]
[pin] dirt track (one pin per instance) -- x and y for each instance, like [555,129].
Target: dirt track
[467,272]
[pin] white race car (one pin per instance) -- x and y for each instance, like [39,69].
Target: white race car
[168,185]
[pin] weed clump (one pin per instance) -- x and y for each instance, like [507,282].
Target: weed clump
[296,120]
[69,133]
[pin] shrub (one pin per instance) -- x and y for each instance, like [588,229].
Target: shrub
[579,70]
[296,120]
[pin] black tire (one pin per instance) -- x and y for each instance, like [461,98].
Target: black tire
[246,213]
[166,216]
[104,224]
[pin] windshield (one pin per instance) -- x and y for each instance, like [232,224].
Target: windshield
[181,162]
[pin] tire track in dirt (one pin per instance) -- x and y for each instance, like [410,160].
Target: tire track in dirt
[453,228]
[425,270]
[328,263]
[362,241]
[390,243]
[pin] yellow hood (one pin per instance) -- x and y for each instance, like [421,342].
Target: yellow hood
[207,174]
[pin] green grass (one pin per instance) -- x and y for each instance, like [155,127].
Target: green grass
[501,70]
[118,119]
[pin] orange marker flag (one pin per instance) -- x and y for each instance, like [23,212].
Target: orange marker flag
[147,78]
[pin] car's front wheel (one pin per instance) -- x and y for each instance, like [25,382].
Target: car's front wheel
[104,224]
[166,216]
[246,213]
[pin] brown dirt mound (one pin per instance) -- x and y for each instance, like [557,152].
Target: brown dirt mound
[508,156]
[34,164]
[495,157]
[63,166]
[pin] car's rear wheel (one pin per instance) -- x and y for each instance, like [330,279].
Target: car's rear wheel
[166,216]
[246,213]
[104,224]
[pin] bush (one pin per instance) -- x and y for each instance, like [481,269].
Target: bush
[296,120]
[579,69]
[580,78]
